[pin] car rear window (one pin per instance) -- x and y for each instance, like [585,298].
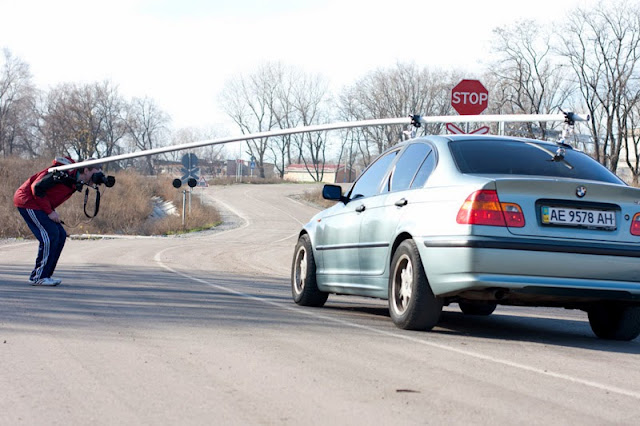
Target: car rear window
[504,157]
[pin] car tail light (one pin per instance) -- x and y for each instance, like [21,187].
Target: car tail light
[484,208]
[635,225]
[513,215]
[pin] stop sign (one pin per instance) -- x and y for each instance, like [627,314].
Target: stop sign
[469,97]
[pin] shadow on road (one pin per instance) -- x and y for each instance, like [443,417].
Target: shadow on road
[550,331]
[97,298]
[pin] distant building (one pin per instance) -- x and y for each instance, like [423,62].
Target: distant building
[331,173]
[168,167]
[243,168]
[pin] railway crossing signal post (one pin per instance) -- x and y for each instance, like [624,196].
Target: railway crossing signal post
[191,182]
[189,170]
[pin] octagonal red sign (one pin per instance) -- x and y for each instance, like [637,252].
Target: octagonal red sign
[469,97]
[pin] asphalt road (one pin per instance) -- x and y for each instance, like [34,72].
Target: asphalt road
[202,330]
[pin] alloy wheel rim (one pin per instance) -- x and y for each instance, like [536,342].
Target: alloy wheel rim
[403,284]
[301,270]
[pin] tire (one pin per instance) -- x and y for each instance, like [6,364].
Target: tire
[304,287]
[477,308]
[412,305]
[615,321]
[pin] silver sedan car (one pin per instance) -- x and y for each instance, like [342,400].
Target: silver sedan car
[479,221]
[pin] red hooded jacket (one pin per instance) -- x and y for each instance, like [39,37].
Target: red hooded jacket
[46,190]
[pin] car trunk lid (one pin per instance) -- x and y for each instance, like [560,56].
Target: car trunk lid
[586,210]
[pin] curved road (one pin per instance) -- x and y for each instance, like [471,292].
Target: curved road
[201,329]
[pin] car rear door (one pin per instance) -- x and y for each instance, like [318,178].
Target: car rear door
[384,212]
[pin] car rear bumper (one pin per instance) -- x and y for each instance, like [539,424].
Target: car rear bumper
[532,268]
[530,244]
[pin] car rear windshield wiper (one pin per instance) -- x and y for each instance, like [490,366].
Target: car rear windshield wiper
[556,157]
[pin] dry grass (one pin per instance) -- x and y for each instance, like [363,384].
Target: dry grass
[124,209]
[200,217]
[12,173]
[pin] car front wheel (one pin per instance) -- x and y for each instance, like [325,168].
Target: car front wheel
[412,305]
[615,322]
[304,288]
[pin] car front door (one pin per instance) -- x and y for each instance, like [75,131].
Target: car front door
[339,233]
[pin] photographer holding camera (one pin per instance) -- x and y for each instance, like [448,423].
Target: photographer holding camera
[37,199]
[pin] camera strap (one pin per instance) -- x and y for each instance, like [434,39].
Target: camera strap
[97,206]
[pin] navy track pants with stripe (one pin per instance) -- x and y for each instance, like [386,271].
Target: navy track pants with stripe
[52,237]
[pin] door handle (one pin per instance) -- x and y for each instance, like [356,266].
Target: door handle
[360,208]
[401,202]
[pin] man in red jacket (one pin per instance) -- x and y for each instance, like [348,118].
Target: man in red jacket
[36,200]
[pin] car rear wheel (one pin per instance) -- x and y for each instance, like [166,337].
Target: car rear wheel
[412,305]
[477,308]
[615,322]
[304,288]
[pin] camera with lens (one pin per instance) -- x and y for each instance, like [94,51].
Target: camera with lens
[99,179]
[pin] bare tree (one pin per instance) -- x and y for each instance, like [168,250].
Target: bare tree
[279,97]
[632,144]
[83,120]
[71,124]
[112,107]
[17,107]
[348,153]
[213,155]
[210,155]
[147,127]
[602,48]
[250,101]
[301,100]
[310,99]
[285,116]
[528,79]
[395,92]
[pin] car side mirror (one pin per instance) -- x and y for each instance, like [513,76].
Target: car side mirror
[333,192]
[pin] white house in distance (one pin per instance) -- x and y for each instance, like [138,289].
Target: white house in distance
[332,173]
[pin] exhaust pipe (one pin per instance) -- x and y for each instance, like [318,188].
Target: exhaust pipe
[499,294]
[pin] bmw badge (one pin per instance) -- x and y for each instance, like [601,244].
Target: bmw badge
[581,191]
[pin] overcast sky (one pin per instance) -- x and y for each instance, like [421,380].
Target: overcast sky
[180,52]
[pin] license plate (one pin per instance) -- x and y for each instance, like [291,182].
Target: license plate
[579,217]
